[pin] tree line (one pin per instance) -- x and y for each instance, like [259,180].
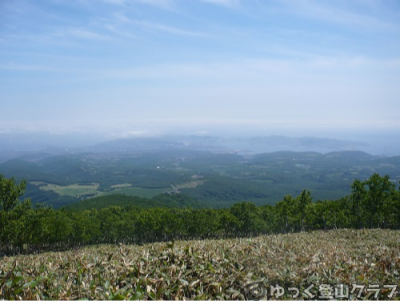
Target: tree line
[372,203]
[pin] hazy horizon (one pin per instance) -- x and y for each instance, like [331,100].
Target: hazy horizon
[377,142]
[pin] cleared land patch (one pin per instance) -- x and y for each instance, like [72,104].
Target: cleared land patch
[192,184]
[74,190]
[92,190]
[81,190]
[123,185]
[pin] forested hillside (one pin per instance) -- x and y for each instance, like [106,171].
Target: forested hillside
[372,203]
[217,180]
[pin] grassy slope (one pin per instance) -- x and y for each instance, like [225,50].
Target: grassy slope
[207,269]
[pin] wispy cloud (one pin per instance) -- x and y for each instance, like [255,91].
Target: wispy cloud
[257,60]
[335,11]
[246,71]
[121,24]
[115,30]
[79,33]
[121,18]
[226,3]
[158,3]
[23,67]
[170,29]
[163,4]
[86,34]
[116,2]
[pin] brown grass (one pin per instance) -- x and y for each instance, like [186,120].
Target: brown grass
[211,269]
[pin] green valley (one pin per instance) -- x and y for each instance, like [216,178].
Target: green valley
[216,179]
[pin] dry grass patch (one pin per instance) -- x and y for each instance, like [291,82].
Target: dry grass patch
[192,184]
[211,269]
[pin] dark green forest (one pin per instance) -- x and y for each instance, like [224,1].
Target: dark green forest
[24,228]
[226,178]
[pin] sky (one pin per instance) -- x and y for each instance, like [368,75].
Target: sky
[133,65]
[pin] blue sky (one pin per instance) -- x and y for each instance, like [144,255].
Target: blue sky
[135,64]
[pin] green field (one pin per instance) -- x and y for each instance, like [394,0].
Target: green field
[225,269]
[93,189]
[74,190]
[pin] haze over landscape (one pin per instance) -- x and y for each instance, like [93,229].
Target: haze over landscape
[102,70]
[199,149]
[222,82]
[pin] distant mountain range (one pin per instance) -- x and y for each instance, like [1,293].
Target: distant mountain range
[240,145]
[307,143]
[12,147]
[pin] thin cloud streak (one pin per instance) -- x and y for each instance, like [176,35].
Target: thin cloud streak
[226,3]
[169,29]
[82,34]
[329,13]
[25,67]
[246,68]
[163,4]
